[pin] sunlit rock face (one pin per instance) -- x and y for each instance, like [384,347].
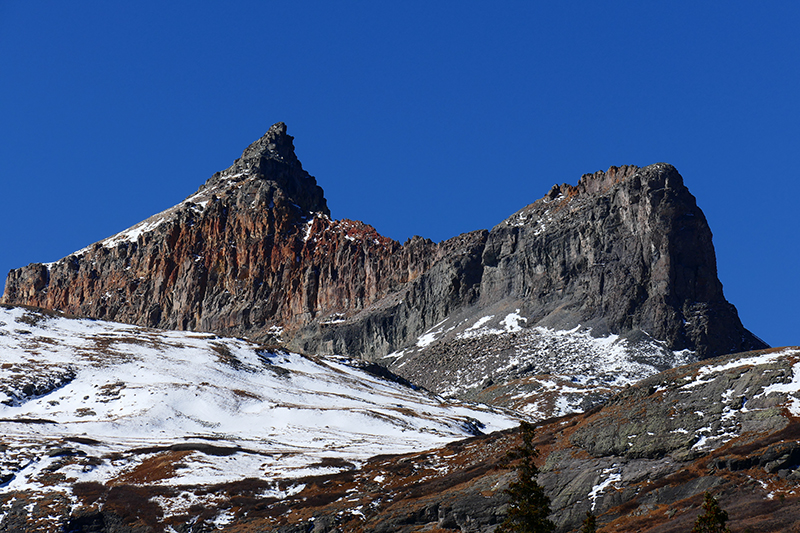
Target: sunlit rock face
[624,255]
[252,252]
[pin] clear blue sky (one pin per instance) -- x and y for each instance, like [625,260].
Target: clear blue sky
[429,118]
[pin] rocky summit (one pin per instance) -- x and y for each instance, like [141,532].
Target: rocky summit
[623,260]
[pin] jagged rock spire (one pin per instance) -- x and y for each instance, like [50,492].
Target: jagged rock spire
[275,144]
[272,159]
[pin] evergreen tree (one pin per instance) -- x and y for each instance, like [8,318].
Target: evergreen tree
[528,504]
[589,523]
[713,518]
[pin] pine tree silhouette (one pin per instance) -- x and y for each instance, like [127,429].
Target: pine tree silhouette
[589,523]
[713,518]
[528,504]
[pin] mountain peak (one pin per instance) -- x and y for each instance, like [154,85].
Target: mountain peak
[658,175]
[266,165]
[275,144]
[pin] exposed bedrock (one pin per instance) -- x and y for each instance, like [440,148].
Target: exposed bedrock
[255,253]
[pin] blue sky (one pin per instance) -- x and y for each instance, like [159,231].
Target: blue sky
[429,118]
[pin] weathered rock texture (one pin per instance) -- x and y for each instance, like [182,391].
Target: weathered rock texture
[642,462]
[253,249]
[255,253]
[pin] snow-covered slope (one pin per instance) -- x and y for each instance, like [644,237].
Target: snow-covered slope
[92,401]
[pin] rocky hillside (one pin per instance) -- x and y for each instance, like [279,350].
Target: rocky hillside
[641,462]
[625,255]
[118,428]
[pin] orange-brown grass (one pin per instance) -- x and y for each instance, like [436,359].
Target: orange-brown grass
[161,466]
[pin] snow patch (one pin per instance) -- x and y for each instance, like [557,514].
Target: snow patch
[512,321]
[613,476]
[430,336]
[480,322]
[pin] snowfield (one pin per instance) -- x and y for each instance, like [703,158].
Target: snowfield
[114,396]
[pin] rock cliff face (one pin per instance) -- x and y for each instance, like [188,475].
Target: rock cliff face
[624,250]
[626,254]
[255,253]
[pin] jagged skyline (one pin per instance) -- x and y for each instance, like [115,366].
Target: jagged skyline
[432,125]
